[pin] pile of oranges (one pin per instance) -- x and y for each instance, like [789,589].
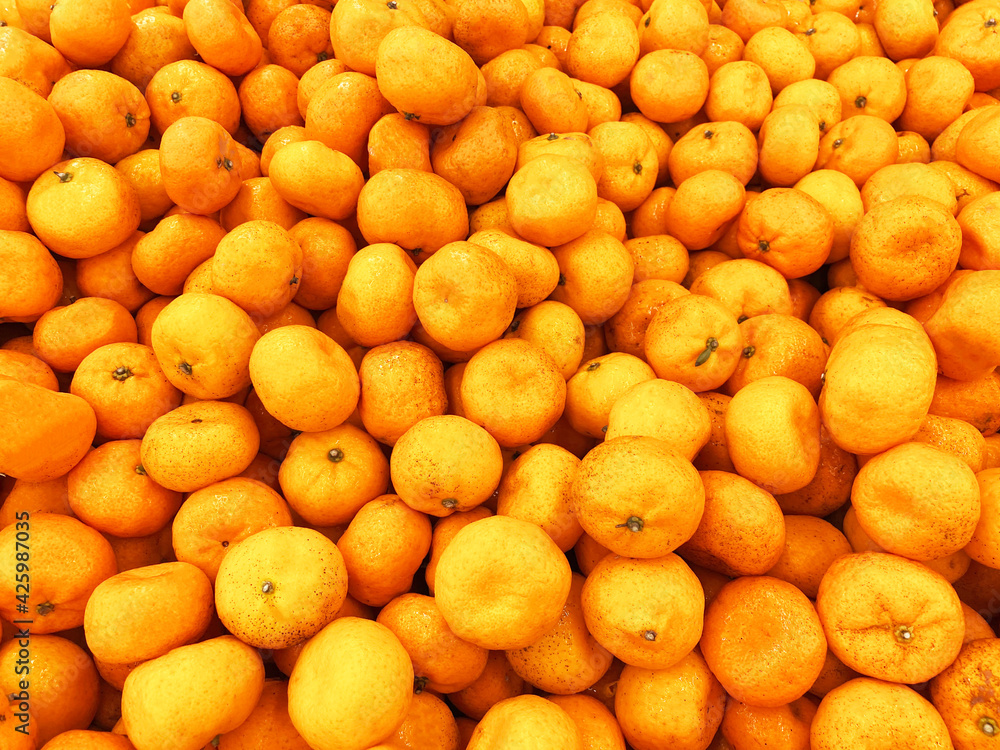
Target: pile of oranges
[499,374]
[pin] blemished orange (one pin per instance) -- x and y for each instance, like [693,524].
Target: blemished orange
[958,693]
[750,622]
[444,464]
[402,382]
[280,586]
[742,531]
[567,658]
[536,487]
[199,443]
[890,618]
[512,388]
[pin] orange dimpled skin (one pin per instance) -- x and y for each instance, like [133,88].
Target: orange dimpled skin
[890,618]
[763,640]
[637,497]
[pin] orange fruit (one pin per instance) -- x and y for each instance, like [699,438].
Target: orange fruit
[769,624]
[536,487]
[429,722]
[401,383]
[742,531]
[426,76]
[280,586]
[62,694]
[190,333]
[373,676]
[550,211]
[890,618]
[442,662]
[444,464]
[772,432]
[464,295]
[199,443]
[512,388]
[26,258]
[54,201]
[647,612]
[891,488]
[382,548]
[526,721]
[567,658]
[30,119]
[155,690]
[785,726]
[323,370]
[681,706]
[664,410]
[850,394]
[766,233]
[695,341]
[882,714]
[637,497]
[68,561]
[217,516]
[111,491]
[958,694]
[499,600]
[269,723]
[168,605]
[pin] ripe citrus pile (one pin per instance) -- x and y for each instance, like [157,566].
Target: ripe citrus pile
[499,374]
